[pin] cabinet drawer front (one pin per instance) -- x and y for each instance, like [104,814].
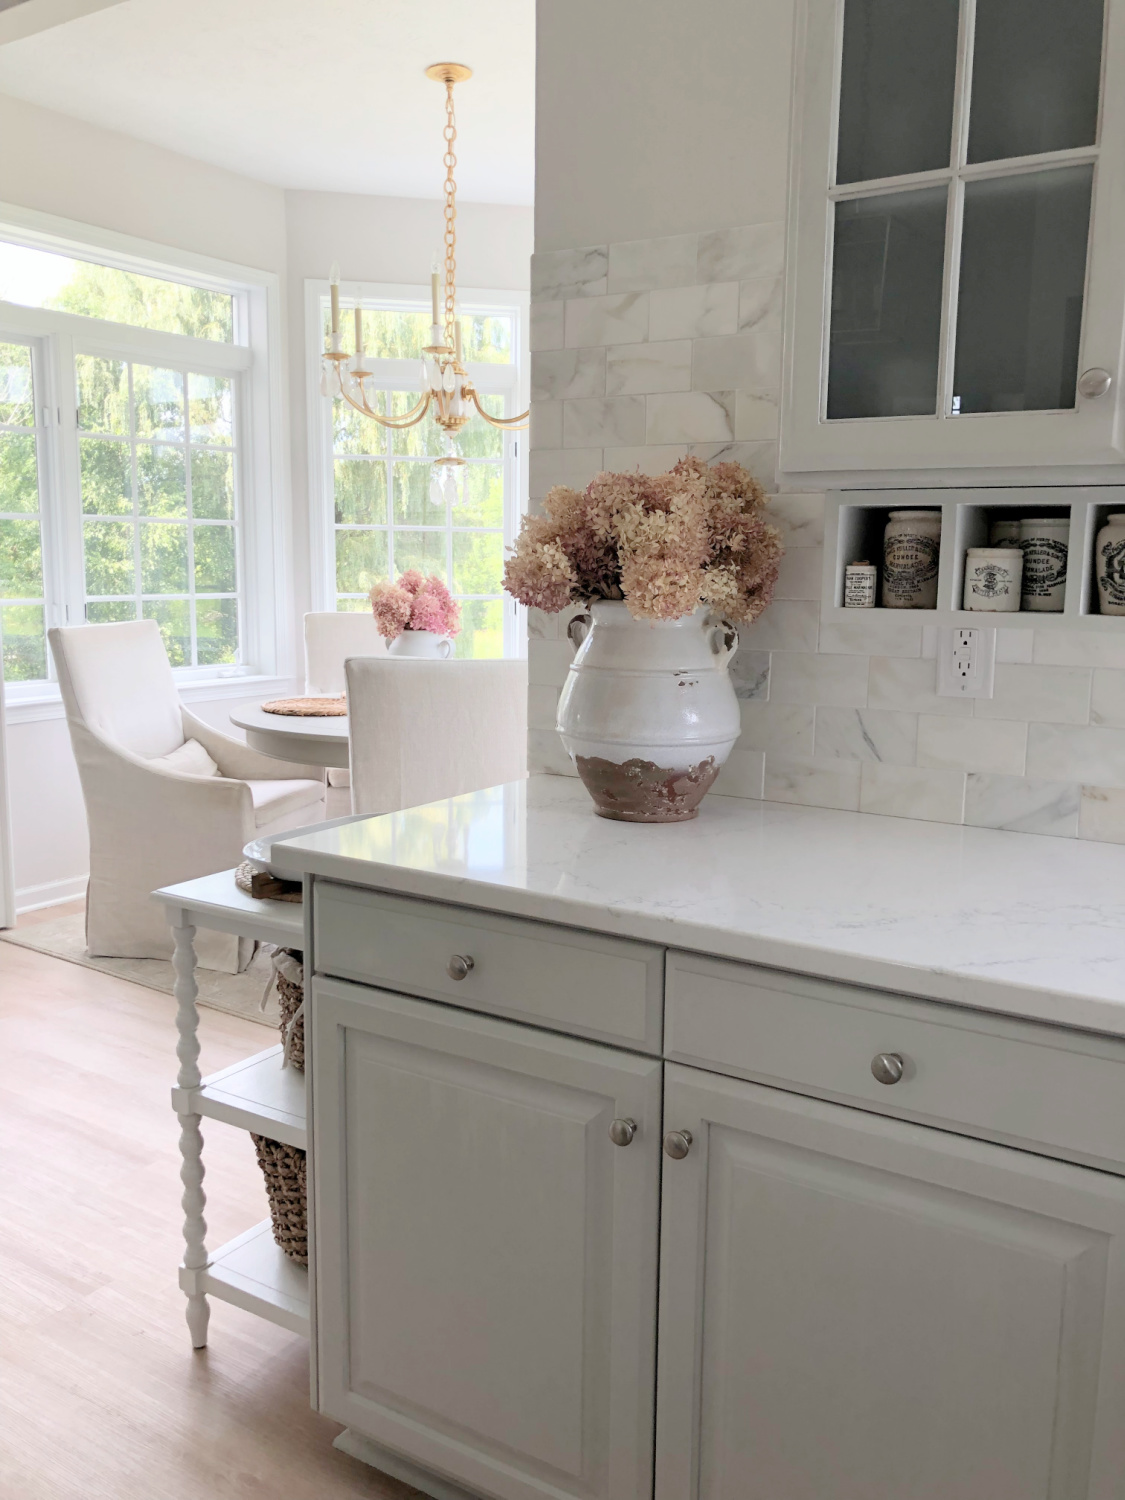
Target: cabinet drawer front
[550,976]
[1054,1091]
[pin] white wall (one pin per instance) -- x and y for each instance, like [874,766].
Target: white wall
[389,240]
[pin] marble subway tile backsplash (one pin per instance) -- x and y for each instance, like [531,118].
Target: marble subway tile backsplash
[649,350]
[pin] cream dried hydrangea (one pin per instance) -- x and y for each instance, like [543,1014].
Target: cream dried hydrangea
[665,544]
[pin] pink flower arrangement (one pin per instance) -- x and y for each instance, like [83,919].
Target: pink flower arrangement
[415,602]
[664,544]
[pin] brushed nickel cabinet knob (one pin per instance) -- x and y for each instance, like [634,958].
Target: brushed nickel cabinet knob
[677,1144]
[887,1067]
[459,966]
[621,1132]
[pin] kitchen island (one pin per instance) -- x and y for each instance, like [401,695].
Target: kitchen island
[834,1104]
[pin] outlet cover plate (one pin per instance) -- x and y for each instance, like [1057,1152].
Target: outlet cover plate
[966,661]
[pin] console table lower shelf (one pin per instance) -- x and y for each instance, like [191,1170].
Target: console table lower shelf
[254,1274]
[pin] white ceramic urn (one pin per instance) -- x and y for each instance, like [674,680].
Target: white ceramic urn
[648,713]
[423,644]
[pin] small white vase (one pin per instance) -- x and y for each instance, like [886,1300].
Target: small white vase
[648,713]
[422,644]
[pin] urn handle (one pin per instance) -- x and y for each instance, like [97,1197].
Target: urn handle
[723,637]
[579,628]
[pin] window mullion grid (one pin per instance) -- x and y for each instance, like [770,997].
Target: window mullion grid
[192,631]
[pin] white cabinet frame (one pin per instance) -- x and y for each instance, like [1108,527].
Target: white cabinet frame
[1087,443]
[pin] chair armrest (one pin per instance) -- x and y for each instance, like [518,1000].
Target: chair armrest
[235,758]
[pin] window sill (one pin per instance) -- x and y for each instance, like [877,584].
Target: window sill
[47,704]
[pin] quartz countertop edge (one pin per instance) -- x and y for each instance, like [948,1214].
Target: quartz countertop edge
[1018,924]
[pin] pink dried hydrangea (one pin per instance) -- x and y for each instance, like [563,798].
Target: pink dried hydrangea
[665,544]
[415,602]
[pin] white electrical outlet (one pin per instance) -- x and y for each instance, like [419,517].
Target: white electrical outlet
[966,662]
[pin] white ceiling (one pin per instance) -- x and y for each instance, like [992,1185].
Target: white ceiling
[320,94]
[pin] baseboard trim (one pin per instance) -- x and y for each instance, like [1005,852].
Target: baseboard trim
[398,1467]
[53,893]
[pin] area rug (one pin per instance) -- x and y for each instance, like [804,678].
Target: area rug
[237,994]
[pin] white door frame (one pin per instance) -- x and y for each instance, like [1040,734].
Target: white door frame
[7,868]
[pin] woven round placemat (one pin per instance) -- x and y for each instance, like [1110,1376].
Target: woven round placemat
[243,879]
[308,708]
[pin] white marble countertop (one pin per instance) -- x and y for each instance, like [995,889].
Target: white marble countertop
[1011,922]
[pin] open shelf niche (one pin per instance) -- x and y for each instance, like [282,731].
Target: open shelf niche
[855,521]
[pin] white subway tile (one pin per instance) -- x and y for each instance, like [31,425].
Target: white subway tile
[1089,754]
[813,783]
[546,424]
[910,683]
[755,417]
[760,301]
[694,312]
[1022,806]
[622,319]
[642,368]
[1053,695]
[1108,703]
[759,459]
[784,729]
[541,626]
[603,420]
[866,734]
[640,265]
[1015,646]
[559,274]
[800,518]
[546,756]
[873,635]
[1102,815]
[798,677]
[912,792]
[654,458]
[551,466]
[560,373]
[742,362]
[787,625]
[750,673]
[1073,648]
[741,254]
[546,326]
[800,574]
[542,705]
[742,774]
[690,417]
[548,663]
[972,744]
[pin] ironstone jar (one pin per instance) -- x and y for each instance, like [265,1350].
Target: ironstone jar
[992,579]
[911,547]
[1044,541]
[1109,564]
[1004,533]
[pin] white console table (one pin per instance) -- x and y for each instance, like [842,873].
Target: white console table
[255,1094]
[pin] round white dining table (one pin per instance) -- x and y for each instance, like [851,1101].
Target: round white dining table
[309,742]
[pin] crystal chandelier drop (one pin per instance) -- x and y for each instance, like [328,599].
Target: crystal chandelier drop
[447,391]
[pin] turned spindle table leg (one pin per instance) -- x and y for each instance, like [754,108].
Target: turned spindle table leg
[194,1199]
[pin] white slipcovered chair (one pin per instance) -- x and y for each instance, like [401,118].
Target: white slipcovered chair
[168,798]
[332,636]
[423,730]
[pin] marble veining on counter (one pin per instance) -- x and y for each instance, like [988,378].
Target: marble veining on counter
[1010,922]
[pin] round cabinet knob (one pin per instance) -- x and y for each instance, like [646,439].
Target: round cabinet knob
[677,1144]
[1094,383]
[621,1132]
[459,966]
[887,1067]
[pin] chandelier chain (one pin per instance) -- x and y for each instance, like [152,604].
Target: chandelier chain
[450,160]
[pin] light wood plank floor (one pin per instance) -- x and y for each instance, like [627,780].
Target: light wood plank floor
[101,1396]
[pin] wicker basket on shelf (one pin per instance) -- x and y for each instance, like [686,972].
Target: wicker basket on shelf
[284,1167]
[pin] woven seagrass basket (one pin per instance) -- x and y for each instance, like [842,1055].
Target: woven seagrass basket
[284,1167]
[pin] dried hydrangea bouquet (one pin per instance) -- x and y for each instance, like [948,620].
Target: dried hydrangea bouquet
[416,615]
[668,566]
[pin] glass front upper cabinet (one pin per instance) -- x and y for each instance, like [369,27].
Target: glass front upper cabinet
[956,292]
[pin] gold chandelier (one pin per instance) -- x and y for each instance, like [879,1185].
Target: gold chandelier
[447,390]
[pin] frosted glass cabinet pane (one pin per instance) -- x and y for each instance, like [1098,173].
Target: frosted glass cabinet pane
[888,253]
[896,87]
[1036,76]
[1023,272]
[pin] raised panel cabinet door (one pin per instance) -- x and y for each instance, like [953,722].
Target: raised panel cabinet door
[854,1308]
[486,1255]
